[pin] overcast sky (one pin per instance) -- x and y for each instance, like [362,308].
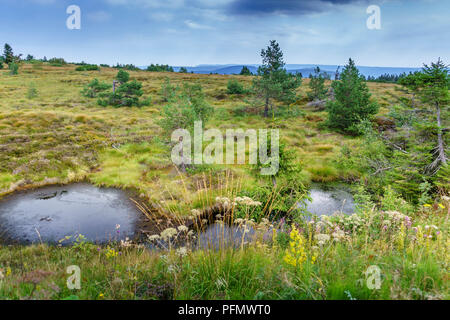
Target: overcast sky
[191,32]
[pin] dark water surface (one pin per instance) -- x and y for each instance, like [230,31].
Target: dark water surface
[52,213]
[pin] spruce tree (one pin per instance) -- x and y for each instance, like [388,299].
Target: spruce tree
[245,71]
[317,86]
[352,101]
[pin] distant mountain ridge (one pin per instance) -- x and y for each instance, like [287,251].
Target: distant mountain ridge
[304,69]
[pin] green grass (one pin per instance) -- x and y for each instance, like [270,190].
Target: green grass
[416,271]
[59,136]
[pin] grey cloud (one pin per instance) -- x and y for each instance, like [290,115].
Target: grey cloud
[290,7]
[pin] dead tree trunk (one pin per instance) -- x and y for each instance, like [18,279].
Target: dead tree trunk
[440,138]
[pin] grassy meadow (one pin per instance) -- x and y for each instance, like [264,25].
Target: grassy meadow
[51,134]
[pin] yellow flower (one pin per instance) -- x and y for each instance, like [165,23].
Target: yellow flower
[441,205]
[111,253]
[101,296]
[8,272]
[296,254]
[427,205]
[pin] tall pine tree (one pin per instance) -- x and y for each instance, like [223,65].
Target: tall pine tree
[8,55]
[273,81]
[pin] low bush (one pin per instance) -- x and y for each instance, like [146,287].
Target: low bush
[235,87]
[88,67]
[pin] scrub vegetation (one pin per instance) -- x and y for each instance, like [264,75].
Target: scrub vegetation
[62,123]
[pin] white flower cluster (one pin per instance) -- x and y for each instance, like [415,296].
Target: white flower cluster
[246,201]
[126,243]
[348,222]
[154,237]
[397,216]
[322,238]
[182,252]
[338,235]
[169,233]
[196,213]
[224,202]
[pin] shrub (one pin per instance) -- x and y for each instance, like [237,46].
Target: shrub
[57,62]
[123,76]
[32,91]
[95,88]
[126,95]
[13,68]
[235,87]
[88,67]
[168,91]
[185,108]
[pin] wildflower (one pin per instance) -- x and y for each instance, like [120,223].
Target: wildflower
[441,206]
[338,235]
[183,229]
[401,237]
[322,238]
[223,201]
[126,244]
[181,252]
[101,296]
[168,233]
[295,254]
[427,205]
[8,272]
[171,269]
[111,253]
[196,212]
[247,201]
[154,237]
